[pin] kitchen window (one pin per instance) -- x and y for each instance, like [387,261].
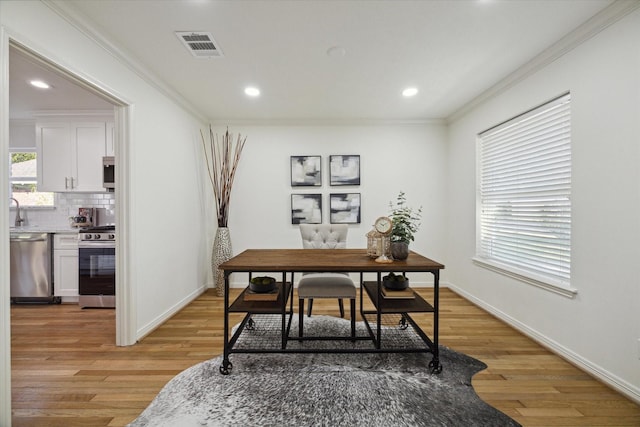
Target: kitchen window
[524,197]
[23,180]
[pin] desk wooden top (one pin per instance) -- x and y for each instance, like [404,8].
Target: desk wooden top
[318,260]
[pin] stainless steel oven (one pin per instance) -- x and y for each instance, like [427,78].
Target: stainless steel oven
[97,267]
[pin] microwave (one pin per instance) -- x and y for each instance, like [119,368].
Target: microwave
[109,173]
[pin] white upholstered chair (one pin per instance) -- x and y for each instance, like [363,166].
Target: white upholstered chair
[325,285]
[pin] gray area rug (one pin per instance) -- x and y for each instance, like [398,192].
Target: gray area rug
[393,389]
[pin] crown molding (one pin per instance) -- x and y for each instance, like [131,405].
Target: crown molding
[67,113]
[327,122]
[22,122]
[597,23]
[89,29]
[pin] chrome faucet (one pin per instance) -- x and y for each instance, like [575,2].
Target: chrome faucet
[19,220]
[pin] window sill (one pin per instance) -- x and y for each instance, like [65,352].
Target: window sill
[501,269]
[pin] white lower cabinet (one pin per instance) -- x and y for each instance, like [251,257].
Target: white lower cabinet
[65,266]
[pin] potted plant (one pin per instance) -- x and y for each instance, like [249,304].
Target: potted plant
[406,222]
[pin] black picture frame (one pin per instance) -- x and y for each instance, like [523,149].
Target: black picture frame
[306,171]
[344,170]
[344,208]
[306,208]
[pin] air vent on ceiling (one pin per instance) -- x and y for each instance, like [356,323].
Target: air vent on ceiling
[200,44]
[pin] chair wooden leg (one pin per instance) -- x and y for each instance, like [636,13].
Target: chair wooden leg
[353,318]
[310,306]
[341,304]
[300,317]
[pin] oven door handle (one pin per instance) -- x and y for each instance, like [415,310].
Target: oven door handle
[96,245]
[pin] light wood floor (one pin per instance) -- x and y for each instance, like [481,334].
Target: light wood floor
[67,372]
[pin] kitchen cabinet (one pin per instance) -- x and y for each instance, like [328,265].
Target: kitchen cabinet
[65,265]
[70,156]
[110,144]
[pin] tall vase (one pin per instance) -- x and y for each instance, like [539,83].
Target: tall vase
[221,253]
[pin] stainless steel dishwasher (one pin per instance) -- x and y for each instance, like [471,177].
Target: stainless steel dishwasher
[30,267]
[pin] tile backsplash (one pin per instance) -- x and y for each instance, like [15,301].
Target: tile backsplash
[67,205]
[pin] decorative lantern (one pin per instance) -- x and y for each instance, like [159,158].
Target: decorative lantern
[374,244]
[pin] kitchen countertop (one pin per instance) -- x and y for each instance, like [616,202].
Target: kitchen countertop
[44,229]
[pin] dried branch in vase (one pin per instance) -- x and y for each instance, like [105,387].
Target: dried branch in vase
[222,157]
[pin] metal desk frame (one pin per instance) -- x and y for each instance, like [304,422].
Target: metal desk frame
[290,261]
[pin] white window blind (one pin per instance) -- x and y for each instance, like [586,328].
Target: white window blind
[525,194]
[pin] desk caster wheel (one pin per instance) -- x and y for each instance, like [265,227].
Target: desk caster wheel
[225,368]
[251,325]
[402,324]
[435,366]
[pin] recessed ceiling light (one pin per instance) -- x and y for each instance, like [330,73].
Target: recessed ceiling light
[336,51]
[252,91]
[39,84]
[410,91]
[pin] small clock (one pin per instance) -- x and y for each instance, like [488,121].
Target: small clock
[383,225]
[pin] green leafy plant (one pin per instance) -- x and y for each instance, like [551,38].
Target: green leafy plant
[406,221]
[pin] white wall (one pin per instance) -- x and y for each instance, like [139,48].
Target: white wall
[165,239]
[599,328]
[22,133]
[392,158]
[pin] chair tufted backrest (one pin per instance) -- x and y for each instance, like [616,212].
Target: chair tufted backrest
[324,236]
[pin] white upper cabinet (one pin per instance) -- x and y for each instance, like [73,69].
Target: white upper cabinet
[89,144]
[70,155]
[110,146]
[54,156]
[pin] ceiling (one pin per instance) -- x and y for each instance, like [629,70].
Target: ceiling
[24,99]
[451,51]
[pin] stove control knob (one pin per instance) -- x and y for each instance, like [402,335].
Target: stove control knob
[112,236]
[87,237]
[97,236]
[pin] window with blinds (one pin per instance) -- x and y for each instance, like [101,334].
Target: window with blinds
[524,195]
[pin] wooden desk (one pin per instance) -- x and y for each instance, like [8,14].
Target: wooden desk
[291,261]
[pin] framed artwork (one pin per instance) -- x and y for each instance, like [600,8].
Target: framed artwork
[306,209]
[344,208]
[345,170]
[306,171]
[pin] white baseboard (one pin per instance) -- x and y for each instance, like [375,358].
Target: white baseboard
[598,372]
[155,323]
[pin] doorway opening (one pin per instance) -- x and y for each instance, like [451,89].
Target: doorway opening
[75,94]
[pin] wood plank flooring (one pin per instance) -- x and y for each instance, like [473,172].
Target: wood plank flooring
[67,371]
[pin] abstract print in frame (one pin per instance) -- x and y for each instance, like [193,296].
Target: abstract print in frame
[344,170]
[306,171]
[306,209]
[344,208]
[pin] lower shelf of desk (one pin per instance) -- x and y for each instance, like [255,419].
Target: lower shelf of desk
[263,307]
[390,305]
